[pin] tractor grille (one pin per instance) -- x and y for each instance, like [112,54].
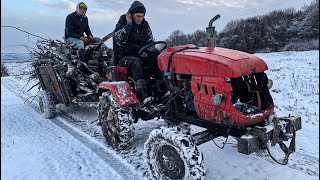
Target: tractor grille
[250,93]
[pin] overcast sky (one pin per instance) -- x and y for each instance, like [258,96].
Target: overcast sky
[46,18]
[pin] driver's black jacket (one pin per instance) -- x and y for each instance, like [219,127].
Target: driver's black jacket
[128,38]
[76,26]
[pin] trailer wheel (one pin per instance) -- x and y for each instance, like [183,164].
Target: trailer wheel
[47,105]
[171,154]
[116,122]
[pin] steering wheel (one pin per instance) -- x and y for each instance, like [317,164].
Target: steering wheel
[152,44]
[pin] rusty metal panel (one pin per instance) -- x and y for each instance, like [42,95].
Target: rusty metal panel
[121,92]
[50,82]
[218,62]
[296,120]
[248,144]
[117,73]
[225,113]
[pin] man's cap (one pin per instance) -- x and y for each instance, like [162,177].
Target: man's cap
[137,7]
[82,4]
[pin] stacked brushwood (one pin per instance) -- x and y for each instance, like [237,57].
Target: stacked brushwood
[83,76]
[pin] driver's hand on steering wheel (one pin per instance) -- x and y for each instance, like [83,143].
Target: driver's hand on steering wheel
[151,48]
[144,54]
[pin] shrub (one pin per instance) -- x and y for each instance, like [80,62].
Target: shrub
[265,50]
[302,45]
[4,70]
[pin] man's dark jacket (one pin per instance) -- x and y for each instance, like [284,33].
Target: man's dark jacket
[129,39]
[76,26]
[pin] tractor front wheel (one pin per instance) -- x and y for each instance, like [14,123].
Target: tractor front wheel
[116,122]
[171,154]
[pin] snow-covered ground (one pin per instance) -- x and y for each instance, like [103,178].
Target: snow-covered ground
[70,146]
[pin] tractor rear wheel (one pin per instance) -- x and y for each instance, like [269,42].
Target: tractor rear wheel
[47,105]
[116,122]
[171,154]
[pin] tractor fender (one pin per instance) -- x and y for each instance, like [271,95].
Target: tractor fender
[121,91]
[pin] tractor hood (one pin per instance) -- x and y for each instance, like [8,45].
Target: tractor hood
[210,61]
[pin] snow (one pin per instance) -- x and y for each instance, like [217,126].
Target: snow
[35,148]
[71,146]
[247,136]
[115,83]
[295,91]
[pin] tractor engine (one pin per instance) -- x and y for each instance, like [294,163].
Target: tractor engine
[183,98]
[218,85]
[251,93]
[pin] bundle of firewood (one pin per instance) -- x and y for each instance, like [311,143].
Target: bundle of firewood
[65,60]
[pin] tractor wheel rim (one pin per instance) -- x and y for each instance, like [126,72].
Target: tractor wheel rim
[170,162]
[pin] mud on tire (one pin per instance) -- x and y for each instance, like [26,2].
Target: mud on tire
[47,105]
[116,122]
[171,154]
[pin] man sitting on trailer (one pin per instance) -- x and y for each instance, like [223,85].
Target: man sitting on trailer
[76,25]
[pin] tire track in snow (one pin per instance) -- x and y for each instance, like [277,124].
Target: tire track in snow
[298,161]
[111,158]
[133,156]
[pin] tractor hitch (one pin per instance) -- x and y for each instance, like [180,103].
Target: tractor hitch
[276,132]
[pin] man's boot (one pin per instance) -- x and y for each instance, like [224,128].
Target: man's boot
[141,89]
[159,89]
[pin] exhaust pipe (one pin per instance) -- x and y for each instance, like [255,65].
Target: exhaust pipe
[211,39]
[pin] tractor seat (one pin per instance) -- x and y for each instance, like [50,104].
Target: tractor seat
[120,73]
[117,73]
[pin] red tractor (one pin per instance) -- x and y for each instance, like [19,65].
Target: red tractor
[222,90]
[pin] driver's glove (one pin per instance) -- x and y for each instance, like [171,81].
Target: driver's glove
[85,40]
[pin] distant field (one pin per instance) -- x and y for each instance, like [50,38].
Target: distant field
[15,57]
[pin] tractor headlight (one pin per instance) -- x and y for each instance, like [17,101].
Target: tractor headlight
[270,83]
[217,99]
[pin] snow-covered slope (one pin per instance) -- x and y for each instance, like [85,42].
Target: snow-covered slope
[35,148]
[70,146]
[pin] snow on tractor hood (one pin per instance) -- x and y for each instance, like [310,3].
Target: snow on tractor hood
[210,61]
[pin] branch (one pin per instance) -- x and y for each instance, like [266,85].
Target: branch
[24,31]
[17,45]
[33,86]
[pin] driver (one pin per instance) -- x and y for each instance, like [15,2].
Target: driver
[132,32]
